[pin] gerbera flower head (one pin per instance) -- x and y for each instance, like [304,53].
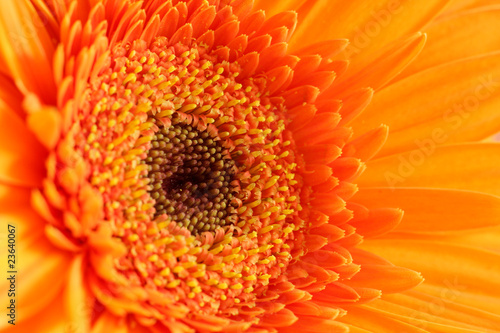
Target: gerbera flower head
[187,172]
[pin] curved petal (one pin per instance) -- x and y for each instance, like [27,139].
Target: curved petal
[472,167]
[383,68]
[456,267]
[368,25]
[27,49]
[460,104]
[456,37]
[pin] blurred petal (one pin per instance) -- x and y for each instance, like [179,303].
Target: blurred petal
[27,49]
[22,154]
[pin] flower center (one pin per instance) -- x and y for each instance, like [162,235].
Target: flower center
[191,174]
[193,171]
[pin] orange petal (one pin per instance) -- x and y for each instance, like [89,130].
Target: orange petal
[46,124]
[312,309]
[183,35]
[326,259]
[50,318]
[435,210]
[347,168]
[316,174]
[274,7]
[280,78]
[339,293]
[325,49]
[378,222]
[324,124]
[476,271]
[15,208]
[367,145]
[300,95]
[253,22]
[389,279]
[22,155]
[488,238]
[309,324]
[441,167]
[429,312]
[108,322]
[453,289]
[321,153]
[465,5]
[456,37]
[368,25]
[248,63]
[286,19]
[78,303]
[42,272]
[226,33]
[383,68]
[283,318]
[454,110]
[202,21]
[331,232]
[355,104]
[328,203]
[321,79]
[10,96]
[242,8]
[27,49]
[363,319]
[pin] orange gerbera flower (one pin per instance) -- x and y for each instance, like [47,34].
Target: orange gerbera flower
[193,166]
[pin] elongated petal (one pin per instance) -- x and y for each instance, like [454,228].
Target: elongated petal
[78,303]
[389,279]
[463,109]
[457,6]
[435,210]
[489,239]
[458,36]
[474,270]
[442,167]
[383,68]
[429,312]
[368,25]
[367,320]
